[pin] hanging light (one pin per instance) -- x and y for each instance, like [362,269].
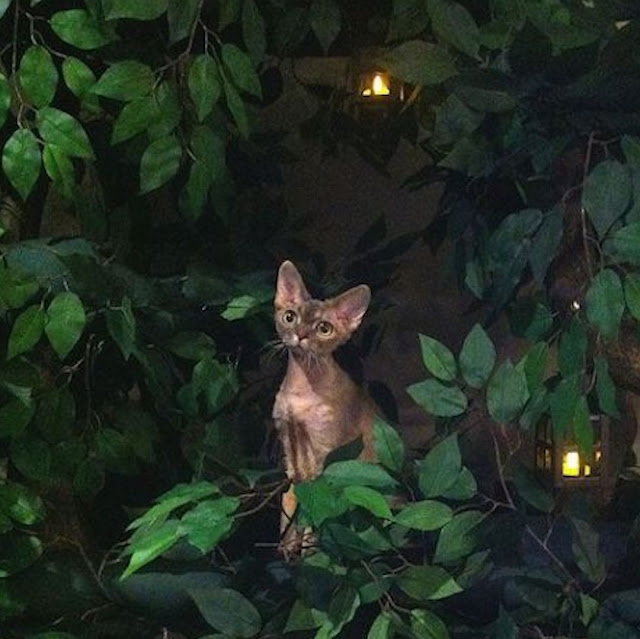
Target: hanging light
[565,462]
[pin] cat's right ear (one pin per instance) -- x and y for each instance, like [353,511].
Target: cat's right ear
[290,289]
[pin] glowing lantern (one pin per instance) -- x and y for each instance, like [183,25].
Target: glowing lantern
[378,85]
[565,462]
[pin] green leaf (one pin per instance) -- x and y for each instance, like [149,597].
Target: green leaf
[486,91]
[229,12]
[606,194]
[582,427]
[505,626]
[325,21]
[21,551]
[464,487]
[204,84]
[572,349]
[59,168]
[21,504]
[625,244]
[26,331]
[63,130]
[545,243]
[440,468]
[454,121]
[408,19]
[5,99]
[506,392]
[369,499]
[535,366]
[588,609]
[381,627]
[160,162]
[32,457]
[152,544]
[121,324]
[134,9]
[605,302]
[16,288]
[355,472]
[342,609]
[208,523]
[438,359]
[170,110]
[241,69]
[631,149]
[632,293]
[424,515]
[56,414]
[241,306]
[89,478]
[320,500]
[227,610]
[38,76]
[585,549]
[181,15]
[136,116]
[438,399]
[562,403]
[454,24]
[209,151]
[605,388]
[427,625]
[126,80]
[66,320]
[419,62]
[424,583]
[237,109]
[77,76]
[21,161]
[79,28]
[530,489]
[192,345]
[179,495]
[15,416]
[388,445]
[4,5]
[457,538]
[477,358]
[253,31]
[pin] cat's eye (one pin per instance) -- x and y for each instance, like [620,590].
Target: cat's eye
[324,329]
[289,317]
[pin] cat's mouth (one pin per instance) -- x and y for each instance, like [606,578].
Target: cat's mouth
[294,342]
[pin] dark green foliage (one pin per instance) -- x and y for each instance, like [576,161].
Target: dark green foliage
[529,111]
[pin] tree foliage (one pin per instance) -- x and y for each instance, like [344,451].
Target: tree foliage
[529,112]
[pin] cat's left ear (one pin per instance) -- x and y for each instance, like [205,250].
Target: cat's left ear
[290,289]
[351,305]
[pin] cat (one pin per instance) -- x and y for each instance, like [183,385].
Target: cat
[318,407]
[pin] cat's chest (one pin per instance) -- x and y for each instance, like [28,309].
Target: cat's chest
[316,411]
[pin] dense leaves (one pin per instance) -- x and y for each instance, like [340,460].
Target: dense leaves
[144,109]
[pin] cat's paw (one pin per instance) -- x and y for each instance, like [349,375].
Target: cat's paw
[296,543]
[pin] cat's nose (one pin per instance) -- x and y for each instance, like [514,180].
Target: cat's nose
[294,340]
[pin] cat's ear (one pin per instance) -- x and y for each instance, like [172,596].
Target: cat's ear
[290,289]
[351,305]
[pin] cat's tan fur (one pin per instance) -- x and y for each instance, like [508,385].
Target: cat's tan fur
[318,407]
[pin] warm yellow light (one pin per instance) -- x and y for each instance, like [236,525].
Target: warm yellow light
[571,464]
[379,86]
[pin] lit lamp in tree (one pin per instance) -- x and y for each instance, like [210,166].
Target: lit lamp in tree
[566,463]
[378,94]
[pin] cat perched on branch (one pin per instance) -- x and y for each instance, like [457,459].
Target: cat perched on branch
[318,407]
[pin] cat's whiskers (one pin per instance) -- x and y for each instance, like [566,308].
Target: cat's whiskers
[275,347]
